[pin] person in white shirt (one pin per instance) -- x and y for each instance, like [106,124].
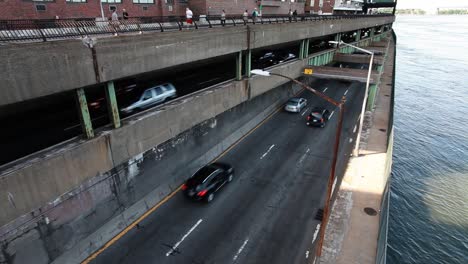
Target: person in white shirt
[245,16]
[188,16]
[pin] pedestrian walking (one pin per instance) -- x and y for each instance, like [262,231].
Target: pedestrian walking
[254,15]
[295,15]
[245,16]
[124,14]
[290,14]
[223,18]
[188,16]
[114,16]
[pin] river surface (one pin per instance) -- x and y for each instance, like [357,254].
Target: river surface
[429,198]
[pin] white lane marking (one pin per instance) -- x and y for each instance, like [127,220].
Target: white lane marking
[331,115]
[306,110]
[240,250]
[266,153]
[304,156]
[317,229]
[355,127]
[350,140]
[359,117]
[183,238]
[324,90]
[346,92]
[307,254]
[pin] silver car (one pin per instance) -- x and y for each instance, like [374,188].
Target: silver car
[152,96]
[295,105]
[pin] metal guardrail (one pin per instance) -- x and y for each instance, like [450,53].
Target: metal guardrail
[49,29]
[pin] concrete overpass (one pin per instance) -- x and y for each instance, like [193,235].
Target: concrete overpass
[61,196]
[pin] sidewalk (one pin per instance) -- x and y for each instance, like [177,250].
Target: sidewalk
[351,235]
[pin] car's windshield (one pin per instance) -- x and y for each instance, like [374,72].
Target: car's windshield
[200,175]
[293,101]
[316,114]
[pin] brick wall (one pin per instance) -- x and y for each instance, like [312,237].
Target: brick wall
[25,9]
[327,6]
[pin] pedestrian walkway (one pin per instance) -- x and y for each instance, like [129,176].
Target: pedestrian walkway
[351,235]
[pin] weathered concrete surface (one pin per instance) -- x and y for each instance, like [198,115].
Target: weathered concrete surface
[363,185]
[260,85]
[30,67]
[357,58]
[345,74]
[272,34]
[132,55]
[39,181]
[83,219]
[137,137]
[37,69]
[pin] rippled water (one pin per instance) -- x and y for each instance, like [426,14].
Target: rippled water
[429,199]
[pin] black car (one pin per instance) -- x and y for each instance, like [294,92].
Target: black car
[207,181]
[318,117]
[271,58]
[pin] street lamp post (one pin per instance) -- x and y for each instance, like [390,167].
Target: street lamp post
[331,178]
[363,110]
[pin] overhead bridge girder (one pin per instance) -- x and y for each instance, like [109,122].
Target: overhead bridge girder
[345,74]
[357,58]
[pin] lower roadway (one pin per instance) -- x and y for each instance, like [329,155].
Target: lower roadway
[267,214]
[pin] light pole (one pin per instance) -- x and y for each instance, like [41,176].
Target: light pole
[331,178]
[363,110]
[102,11]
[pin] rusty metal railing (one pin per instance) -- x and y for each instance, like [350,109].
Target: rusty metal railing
[52,29]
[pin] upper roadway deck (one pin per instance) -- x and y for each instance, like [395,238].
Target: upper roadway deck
[29,68]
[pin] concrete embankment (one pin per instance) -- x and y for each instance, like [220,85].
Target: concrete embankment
[360,212]
[137,166]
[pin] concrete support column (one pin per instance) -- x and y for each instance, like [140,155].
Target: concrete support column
[301,49]
[371,97]
[358,35]
[380,68]
[372,32]
[239,66]
[337,39]
[112,106]
[83,112]
[306,48]
[248,62]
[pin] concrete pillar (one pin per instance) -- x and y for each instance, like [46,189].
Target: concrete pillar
[239,66]
[83,112]
[337,39]
[371,97]
[380,68]
[248,62]
[358,35]
[112,106]
[306,48]
[372,32]
[301,49]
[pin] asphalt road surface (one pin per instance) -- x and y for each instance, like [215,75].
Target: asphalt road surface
[267,214]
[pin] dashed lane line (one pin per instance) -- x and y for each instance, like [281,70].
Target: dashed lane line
[183,238]
[240,250]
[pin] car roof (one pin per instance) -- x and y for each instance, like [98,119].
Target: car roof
[203,173]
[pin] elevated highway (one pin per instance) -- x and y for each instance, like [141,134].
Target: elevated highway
[83,192]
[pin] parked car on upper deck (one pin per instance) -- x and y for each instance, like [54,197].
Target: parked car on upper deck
[152,96]
[271,58]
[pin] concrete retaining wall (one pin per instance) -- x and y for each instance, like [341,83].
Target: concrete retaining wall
[80,221]
[28,68]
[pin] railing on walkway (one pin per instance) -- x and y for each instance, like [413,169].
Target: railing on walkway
[50,29]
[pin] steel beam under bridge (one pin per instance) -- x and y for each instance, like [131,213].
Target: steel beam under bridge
[357,58]
[345,74]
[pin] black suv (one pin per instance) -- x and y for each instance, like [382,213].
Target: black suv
[208,180]
[318,117]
